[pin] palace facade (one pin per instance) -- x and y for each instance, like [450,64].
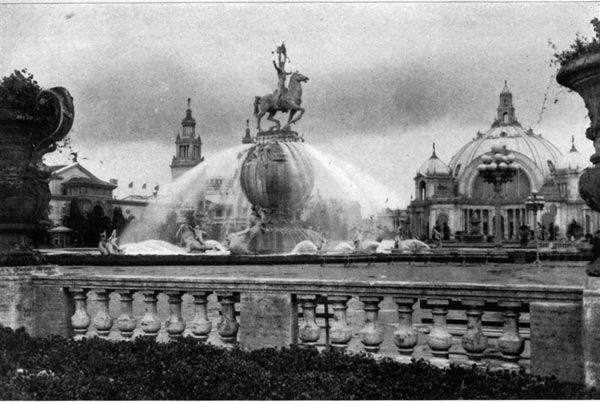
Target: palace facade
[454,198]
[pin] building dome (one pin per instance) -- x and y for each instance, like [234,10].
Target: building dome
[518,140]
[506,130]
[573,161]
[433,166]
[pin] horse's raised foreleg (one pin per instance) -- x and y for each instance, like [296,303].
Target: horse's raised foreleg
[297,117]
[270,117]
[258,117]
[289,122]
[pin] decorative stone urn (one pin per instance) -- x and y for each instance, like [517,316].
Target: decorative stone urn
[582,75]
[24,139]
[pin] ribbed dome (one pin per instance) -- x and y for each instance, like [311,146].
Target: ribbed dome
[516,139]
[433,166]
[506,130]
[573,161]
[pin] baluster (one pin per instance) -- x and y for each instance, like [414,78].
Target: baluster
[371,335]
[510,343]
[175,325]
[340,332]
[201,326]
[150,323]
[80,320]
[440,340]
[228,326]
[474,341]
[103,321]
[405,337]
[126,322]
[309,332]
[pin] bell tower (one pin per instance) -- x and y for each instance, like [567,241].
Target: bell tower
[506,110]
[188,146]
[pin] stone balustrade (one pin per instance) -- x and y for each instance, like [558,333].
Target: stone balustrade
[534,327]
[509,345]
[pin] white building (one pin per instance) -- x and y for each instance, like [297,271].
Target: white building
[452,196]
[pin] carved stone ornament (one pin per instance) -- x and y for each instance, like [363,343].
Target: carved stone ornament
[582,75]
[24,139]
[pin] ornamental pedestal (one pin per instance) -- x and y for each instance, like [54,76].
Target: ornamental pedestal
[25,136]
[582,75]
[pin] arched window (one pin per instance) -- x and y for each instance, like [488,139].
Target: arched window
[457,170]
[505,118]
[422,191]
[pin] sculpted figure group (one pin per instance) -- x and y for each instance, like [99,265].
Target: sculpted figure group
[282,99]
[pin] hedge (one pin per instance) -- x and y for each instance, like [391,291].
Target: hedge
[56,368]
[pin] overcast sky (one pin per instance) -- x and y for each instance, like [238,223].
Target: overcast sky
[386,80]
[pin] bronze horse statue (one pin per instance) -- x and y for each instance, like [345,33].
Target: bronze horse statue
[290,102]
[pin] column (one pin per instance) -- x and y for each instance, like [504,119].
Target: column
[510,343]
[474,341]
[201,326]
[150,323]
[340,332]
[371,335]
[175,325]
[81,320]
[405,337]
[126,322]
[228,326]
[440,340]
[102,320]
[309,331]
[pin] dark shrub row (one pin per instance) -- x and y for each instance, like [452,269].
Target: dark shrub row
[60,369]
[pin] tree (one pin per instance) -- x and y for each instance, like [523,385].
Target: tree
[168,229]
[119,223]
[76,221]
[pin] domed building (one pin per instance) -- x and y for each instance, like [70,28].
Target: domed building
[455,199]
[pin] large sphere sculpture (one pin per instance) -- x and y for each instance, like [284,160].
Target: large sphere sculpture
[277,176]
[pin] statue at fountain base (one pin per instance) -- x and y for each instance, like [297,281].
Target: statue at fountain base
[281,238]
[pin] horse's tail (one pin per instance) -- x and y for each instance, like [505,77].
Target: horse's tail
[256,103]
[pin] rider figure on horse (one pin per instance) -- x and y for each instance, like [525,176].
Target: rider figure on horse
[281,73]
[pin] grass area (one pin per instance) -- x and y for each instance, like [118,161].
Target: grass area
[63,369]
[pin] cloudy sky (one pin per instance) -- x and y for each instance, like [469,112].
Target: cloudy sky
[386,79]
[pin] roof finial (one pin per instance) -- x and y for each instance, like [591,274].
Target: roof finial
[573,149]
[505,89]
[189,100]
[434,155]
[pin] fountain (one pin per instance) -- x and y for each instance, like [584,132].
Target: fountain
[267,183]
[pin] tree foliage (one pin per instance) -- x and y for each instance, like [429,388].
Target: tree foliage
[19,91]
[96,369]
[581,46]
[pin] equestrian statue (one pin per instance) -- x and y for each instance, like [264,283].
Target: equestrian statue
[282,99]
